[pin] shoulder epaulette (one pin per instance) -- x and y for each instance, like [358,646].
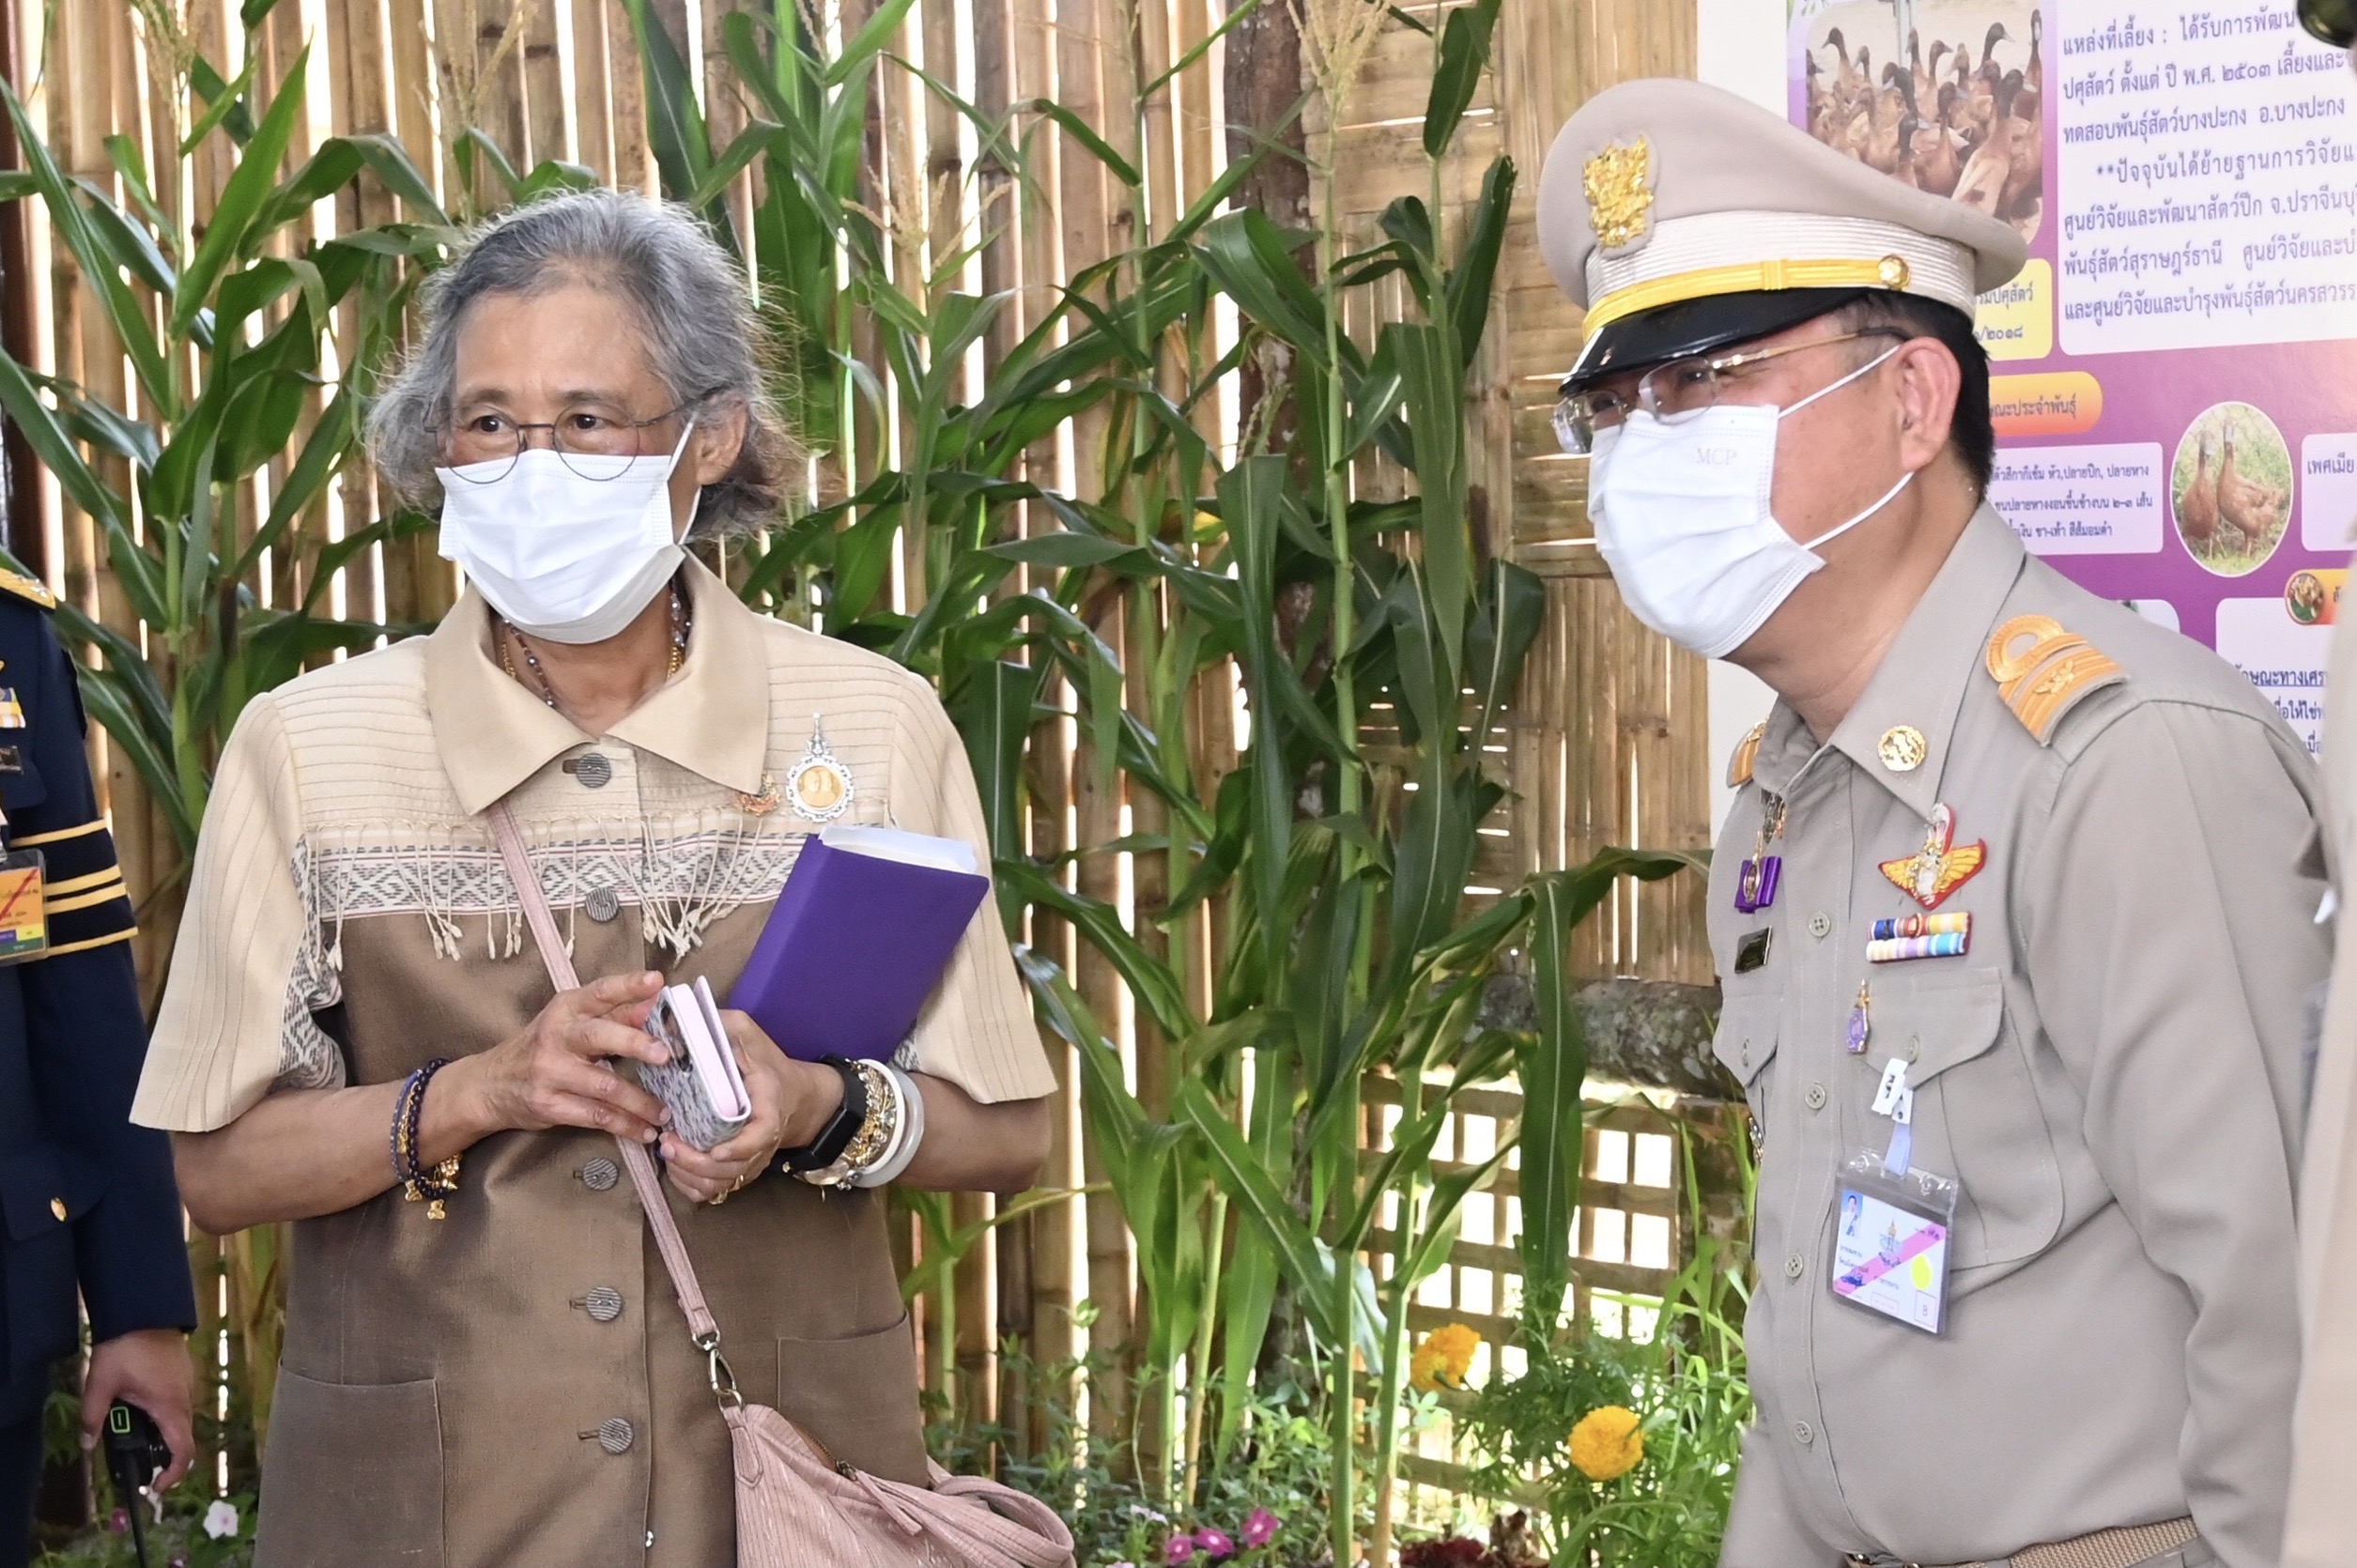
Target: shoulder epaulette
[27,588]
[2043,671]
[1746,752]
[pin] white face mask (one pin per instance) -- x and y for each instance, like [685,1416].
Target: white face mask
[1681,518]
[558,556]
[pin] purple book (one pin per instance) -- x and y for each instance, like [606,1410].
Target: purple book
[858,940]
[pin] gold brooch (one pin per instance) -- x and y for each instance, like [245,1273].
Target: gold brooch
[1904,748]
[761,804]
[1619,181]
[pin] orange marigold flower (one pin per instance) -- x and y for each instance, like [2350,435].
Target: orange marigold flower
[1444,1358]
[1607,1444]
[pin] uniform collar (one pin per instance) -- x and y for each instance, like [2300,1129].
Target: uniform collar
[712,718]
[1921,681]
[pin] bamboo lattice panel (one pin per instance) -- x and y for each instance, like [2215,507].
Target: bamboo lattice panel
[1603,746]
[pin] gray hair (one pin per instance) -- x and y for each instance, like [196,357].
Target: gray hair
[689,296]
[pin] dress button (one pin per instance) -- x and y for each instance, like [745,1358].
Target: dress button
[1915,1048]
[600,1175]
[592,769]
[603,904]
[57,1206]
[604,1304]
[614,1435]
[1820,923]
[1792,1266]
[1816,1097]
[1803,1433]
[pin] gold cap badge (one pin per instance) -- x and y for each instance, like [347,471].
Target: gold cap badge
[1619,182]
[1904,748]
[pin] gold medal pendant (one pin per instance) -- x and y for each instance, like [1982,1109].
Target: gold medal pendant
[819,786]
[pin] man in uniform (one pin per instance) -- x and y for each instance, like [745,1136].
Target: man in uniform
[2014,911]
[87,1204]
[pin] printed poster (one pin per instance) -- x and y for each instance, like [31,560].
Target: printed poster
[2174,373]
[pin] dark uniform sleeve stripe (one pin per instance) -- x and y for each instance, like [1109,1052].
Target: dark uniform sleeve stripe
[57,836]
[55,888]
[86,900]
[123,935]
[81,923]
[87,853]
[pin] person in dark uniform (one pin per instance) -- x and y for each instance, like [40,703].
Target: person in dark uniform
[87,1202]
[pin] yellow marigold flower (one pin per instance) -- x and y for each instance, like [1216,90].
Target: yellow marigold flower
[1607,1445]
[1444,1358]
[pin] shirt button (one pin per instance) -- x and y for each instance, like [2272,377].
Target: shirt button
[57,1206]
[604,1304]
[650,1540]
[600,1175]
[603,904]
[592,769]
[1792,1266]
[614,1435]
[1803,1433]
[1915,1048]
[1816,1097]
[1820,923]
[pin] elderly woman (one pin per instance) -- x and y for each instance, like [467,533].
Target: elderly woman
[502,1375]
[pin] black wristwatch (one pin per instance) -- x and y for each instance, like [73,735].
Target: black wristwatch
[827,1147]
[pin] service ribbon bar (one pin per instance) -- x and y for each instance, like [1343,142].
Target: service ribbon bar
[1909,926]
[1919,936]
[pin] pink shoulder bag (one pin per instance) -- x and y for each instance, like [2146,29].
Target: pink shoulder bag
[795,1508]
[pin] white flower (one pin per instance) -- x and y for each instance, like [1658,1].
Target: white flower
[1141,1510]
[221,1519]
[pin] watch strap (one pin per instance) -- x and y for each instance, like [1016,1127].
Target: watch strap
[827,1147]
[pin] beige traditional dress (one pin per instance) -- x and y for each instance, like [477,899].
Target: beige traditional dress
[514,1385]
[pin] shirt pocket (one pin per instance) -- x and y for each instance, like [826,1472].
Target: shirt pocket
[1745,1042]
[1976,1115]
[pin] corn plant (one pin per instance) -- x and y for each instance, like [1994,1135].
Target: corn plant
[1340,872]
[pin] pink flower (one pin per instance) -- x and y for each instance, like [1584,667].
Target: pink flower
[1178,1549]
[1261,1526]
[117,1522]
[1216,1542]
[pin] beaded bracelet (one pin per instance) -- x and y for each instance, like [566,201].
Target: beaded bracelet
[419,1185]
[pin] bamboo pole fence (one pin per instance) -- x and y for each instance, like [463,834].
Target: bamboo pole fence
[1603,746]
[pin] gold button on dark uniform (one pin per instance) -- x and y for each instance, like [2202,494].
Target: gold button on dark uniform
[57,1206]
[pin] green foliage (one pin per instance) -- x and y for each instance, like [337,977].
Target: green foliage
[1283,1468]
[1687,1385]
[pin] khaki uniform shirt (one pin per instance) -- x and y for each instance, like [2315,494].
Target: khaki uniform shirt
[515,1384]
[2320,1528]
[2111,1072]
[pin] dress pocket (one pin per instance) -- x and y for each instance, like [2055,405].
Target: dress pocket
[857,1398]
[323,1435]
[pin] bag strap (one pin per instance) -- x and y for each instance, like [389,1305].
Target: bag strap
[635,1158]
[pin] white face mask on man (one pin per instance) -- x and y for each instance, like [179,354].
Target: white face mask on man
[1681,512]
[558,554]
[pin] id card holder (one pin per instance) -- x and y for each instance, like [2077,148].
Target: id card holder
[1891,1240]
[24,908]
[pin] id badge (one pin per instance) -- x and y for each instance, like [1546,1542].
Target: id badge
[24,910]
[1891,1240]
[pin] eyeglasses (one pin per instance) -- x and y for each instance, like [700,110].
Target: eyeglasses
[595,441]
[2332,21]
[1670,392]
